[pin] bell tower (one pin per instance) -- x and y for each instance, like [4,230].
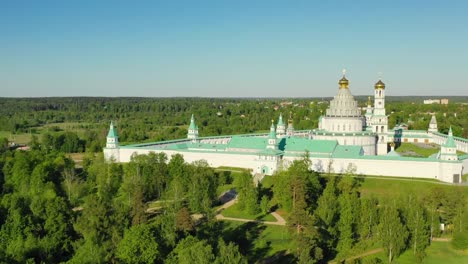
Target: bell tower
[379,118]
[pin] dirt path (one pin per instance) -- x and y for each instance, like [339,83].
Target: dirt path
[365,254]
[442,239]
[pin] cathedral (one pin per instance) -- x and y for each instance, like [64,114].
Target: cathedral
[345,138]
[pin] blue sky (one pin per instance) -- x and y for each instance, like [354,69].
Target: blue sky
[231,48]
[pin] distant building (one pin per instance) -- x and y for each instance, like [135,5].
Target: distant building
[436,101]
[432,101]
[343,138]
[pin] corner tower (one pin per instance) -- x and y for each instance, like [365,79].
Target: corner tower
[448,151]
[112,139]
[192,130]
[111,151]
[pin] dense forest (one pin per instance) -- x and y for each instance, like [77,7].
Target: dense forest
[160,209]
[53,212]
[86,119]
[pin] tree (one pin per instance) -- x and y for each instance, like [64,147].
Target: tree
[191,250]
[419,229]
[229,253]
[393,233]
[265,204]
[184,221]
[433,201]
[328,211]
[347,223]
[368,217]
[247,193]
[138,246]
[201,199]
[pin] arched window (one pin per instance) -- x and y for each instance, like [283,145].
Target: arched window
[381,129]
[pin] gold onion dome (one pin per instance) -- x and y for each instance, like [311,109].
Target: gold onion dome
[343,83]
[379,85]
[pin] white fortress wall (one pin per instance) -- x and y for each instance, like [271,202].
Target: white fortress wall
[215,159]
[442,171]
[440,139]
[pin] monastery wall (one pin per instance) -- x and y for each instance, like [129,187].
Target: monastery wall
[462,145]
[443,171]
[215,159]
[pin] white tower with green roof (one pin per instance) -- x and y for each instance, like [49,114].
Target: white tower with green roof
[448,151]
[111,151]
[272,141]
[192,131]
[280,127]
[112,138]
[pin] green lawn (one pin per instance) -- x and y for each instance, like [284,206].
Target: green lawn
[278,237]
[395,188]
[22,138]
[234,211]
[258,241]
[436,253]
[413,150]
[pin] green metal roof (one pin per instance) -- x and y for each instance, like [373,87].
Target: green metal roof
[280,120]
[347,152]
[192,124]
[312,145]
[272,131]
[247,143]
[112,133]
[450,143]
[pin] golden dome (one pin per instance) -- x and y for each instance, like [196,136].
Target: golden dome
[343,83]
[379,85]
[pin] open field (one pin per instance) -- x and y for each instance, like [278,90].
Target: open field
[22,138]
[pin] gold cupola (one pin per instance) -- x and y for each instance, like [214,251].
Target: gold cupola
[344,82]
[379,85]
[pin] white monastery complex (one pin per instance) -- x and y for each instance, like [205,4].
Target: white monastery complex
[345,137]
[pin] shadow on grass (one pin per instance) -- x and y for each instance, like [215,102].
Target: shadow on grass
[279,257]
